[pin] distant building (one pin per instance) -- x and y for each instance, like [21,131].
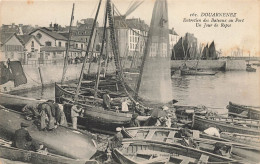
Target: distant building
[18,29]
[32,48]
[12,48]
[173,39]
[131,35]
[22,48]
[54,45]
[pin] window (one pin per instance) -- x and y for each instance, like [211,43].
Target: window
[32,46]
[86,39]
[39,35]
[66,44]
[81,46]
[76,45]
[48,44]
[98,47]
[59,44]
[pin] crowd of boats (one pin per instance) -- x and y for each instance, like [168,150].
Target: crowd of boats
[237,142]
[162,132]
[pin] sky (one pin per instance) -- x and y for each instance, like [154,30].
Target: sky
[244,35]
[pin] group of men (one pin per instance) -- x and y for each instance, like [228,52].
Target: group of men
[49,114]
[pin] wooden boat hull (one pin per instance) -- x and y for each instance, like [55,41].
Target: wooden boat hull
[62,140]
[198,73]
[250,69]
[133,149]
[252,140]
[95,116]
[249,112]
[201,123]
[205,142]
[17,102]
[15,154]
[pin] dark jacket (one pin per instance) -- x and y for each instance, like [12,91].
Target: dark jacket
[22,139]
[106,101]
[134,123]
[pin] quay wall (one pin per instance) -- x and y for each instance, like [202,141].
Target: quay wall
[235,65]
[50,74]
[225,65]
[202,64]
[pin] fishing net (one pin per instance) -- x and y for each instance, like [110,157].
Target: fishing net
[155,83]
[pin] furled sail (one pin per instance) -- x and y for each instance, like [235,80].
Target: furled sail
[205,53]
[212,51]
[155,83]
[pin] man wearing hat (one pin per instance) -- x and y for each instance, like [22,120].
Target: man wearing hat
[114,142]
[75,111]
[139,110]
[134,122]
[22,139]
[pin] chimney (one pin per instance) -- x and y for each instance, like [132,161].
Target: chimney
[56,27]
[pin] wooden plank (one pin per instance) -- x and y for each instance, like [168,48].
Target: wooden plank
[150,134]
[185,160]
[133,132]
[204,158]
[170,136]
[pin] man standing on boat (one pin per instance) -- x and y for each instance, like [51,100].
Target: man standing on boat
[75,111]
[113,143]
[56,111]
[63,120]
[134,122]
[106,101]
[46,110]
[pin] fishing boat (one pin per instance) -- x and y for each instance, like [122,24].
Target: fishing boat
[62,141]
[225,124]
[15,154]
[257,64]
[249,68]
[197,72]
[252,140]
[137,151]
[251,112]
[95,116]
[204,141]
[18,102]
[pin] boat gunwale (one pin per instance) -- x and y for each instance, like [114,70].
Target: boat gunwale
[200,118]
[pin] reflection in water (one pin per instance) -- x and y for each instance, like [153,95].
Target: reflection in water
[216,91]
[212,91]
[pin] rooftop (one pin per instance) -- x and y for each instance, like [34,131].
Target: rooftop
[26,38]
[52,34]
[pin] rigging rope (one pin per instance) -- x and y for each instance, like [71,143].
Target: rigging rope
[116,53]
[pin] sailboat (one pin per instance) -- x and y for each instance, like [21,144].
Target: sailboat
[207,53]
[94,116]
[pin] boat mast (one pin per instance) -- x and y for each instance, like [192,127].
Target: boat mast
[91,54]
[99,61]
[86,54]
[67,47]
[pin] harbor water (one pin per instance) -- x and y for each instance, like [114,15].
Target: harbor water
[211,91]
